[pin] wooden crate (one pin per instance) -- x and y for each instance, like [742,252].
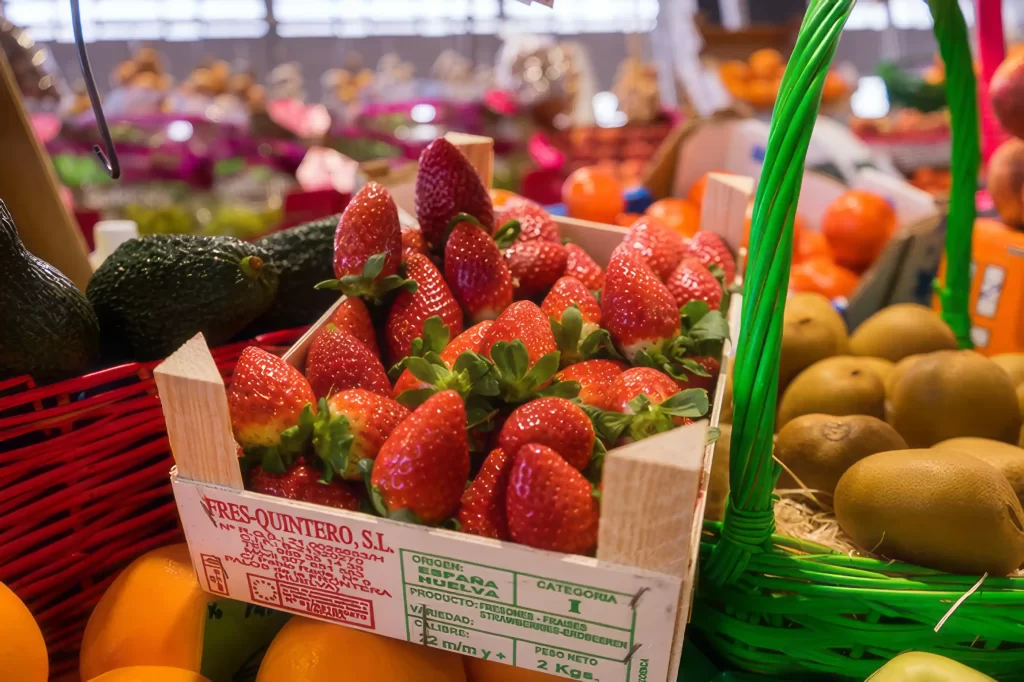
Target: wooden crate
[619,616]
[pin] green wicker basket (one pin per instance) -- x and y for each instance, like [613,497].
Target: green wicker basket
[784,607]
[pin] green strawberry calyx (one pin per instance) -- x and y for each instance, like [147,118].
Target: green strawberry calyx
[471,376]
[650,419]
[504,236]
[568,335]
[704,332]
[332,443]
[436,335]
[519,382]
[369,285]
[294,441]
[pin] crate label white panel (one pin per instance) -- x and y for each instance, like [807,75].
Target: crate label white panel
[569,616]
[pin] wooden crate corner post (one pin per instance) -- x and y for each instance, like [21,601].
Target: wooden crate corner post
[195,407]
[480,152]
[724,209]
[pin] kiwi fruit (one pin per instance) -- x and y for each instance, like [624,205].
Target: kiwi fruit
[1009,459]
[900,330]
[951,394]
[718,484]
[880,366]
[837,386]
[812,330]
[1012,364]
[819,448]
[920,666]
[936,508]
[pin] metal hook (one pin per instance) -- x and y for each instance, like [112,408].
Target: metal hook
[109,160]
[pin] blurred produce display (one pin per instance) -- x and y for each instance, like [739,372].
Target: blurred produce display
[756,81]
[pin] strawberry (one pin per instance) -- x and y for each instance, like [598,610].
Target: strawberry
[368,246]
[575,321]
[594,378]
[691,281]
[353,316]
[701,372]
[580,265]
[423,467]
[337,361]
[301,482]
[411,309]
[535,265]
[483,504]
[639,312]
[550,504]
[557,423]
[267,397]
[412,242]
[654,401]
[711,251]
[651,242]
[477,273]
[525,356]
[446,185]
[352,426]
[534,221]
[467,341]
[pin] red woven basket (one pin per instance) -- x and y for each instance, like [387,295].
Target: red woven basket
[85,490]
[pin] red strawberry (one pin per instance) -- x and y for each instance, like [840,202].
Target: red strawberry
[701,372]
[517,340]
[301,482]
[650,241]
[267,396]
[424,465]
[640,313]
[594,378]
[447,185]
[477,273]
[368,245]
[535,266]
[337,361]
[353,316]
[580,265]
[522,321]
[412,242]
[483,504]
[569,291]
[654,401]
[691,281]
[534,221]
[711,250]
[557,423]
[411,309]
[550,504]
[353,427]
[467,341]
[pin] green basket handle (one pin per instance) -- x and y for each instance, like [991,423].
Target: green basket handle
[749,518]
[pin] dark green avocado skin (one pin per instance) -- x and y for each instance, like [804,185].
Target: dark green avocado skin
[154,293]
[302,256]
[47,327]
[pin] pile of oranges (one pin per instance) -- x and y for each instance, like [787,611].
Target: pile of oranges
[756,81]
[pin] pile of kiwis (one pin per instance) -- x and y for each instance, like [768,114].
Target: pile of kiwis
[915,446]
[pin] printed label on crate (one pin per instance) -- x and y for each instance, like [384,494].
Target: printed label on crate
[568,616]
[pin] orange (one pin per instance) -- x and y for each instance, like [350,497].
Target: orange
[154,613]
[150,673]
[810,245]
[593,193]
[479,670]
[22,649]
[835,87]
[766,63]
[499,197]
[310,651]
[824,277]
[682,215]
[626,219]
[857,226]
[734,71]
[761,92]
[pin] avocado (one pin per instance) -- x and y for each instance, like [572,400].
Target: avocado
[302,256]
[47,327]
[154,293]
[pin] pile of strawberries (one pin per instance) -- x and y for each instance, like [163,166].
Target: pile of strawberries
[475,377]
